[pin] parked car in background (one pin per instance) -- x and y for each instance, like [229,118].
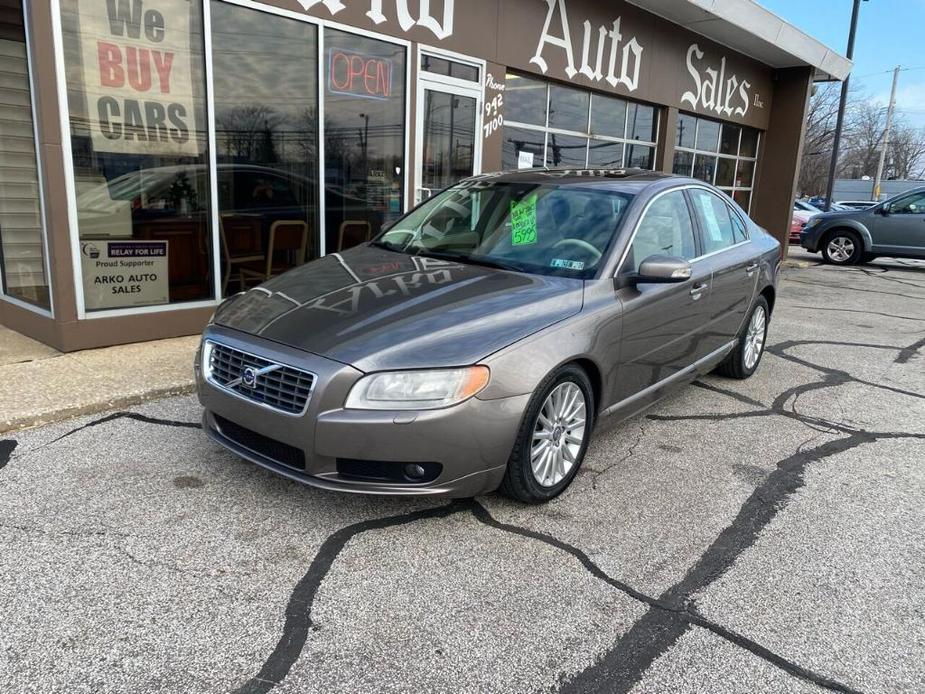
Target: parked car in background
[475,343]
[894,228]
[855,204]
[802,213]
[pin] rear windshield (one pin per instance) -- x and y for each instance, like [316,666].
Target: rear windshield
[540,229]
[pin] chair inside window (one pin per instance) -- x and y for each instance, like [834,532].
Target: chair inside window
[240,240]
[352,233]
[286,249]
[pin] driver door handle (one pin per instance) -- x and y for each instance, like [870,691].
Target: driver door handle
[697,290]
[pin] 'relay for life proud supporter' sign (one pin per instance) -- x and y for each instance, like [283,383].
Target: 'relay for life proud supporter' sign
[137,72]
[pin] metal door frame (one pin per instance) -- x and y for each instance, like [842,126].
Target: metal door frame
[445,85]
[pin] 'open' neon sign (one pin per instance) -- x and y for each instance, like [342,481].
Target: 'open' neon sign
[359,75]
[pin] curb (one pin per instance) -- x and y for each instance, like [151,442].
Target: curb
[34,420]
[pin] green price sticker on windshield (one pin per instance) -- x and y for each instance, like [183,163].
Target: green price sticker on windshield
[523,222]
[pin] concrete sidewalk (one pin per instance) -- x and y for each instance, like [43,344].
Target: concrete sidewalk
[41,385]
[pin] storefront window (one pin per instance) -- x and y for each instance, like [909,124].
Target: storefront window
[522,148]
[364,131]
[22,253]
[136,92]
[265,77]
[584,129]
[721,154]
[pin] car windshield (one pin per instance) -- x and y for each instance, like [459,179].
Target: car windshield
[540,229]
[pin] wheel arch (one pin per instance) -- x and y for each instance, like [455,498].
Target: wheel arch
[591,368]
[770,295]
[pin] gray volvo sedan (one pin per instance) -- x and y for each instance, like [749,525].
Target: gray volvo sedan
[475,343]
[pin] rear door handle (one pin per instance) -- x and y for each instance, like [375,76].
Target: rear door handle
[749,269]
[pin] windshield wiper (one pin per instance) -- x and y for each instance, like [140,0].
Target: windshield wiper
[471,260]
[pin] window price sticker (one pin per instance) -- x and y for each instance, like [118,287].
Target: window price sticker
[523,222]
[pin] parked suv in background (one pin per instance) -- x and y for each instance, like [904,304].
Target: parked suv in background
[894,228]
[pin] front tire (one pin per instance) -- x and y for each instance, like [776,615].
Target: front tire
[842,247]
[743,361]
[553,437]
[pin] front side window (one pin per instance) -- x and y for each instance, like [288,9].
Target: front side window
[715,221]
[665,229]
[22,253]
[137,102]
[542,229]
[912,204]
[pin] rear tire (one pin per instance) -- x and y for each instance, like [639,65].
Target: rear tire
[744,358]
[553,437]
[842,247]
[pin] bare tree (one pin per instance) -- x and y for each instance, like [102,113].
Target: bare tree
[820,133]
[906,154]
[862,139]
[243,130]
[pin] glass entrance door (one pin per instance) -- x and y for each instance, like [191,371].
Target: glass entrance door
[448,110]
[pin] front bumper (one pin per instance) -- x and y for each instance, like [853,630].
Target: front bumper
[469,443]
[809,239]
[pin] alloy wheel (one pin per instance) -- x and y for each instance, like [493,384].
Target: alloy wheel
[754,337]
[841,249]
[559,434]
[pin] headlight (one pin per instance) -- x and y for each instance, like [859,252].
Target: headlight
[812,222]
[417,390]
[205,360]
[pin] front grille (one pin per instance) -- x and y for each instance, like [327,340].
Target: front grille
[280,387]
[273,450]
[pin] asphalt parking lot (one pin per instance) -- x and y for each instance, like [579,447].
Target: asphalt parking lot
[757,536]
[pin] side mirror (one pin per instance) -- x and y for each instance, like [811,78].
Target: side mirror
[884,210]
[661,269]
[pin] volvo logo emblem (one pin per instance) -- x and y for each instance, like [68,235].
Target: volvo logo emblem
[250,374]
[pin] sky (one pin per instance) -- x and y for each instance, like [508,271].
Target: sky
[890,33]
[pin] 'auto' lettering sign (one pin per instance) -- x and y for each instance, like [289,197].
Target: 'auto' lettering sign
[137,75]
[355,74]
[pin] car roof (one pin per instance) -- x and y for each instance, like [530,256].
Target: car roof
[632,180]
[565,176]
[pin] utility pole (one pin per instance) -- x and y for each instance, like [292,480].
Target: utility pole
[840,121]
[886,135]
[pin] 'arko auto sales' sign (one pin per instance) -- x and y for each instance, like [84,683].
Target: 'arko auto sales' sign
[118,274]
[137,71]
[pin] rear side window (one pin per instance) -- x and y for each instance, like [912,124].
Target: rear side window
[715,221]
[739,230]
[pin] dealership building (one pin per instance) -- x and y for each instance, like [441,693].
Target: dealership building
[157,155]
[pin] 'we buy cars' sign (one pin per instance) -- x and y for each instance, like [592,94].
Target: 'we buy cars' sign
[137,75]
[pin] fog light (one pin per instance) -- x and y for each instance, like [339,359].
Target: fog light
[415,472]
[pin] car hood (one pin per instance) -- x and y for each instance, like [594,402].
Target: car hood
[375,309]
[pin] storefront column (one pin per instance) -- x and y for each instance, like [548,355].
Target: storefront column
[781,151]
[667,134]
[51,158]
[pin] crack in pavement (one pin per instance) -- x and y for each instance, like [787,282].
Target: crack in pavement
[7,446]
[907,353]
[298,610]
[120,415]
[826,285]
[298,622]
